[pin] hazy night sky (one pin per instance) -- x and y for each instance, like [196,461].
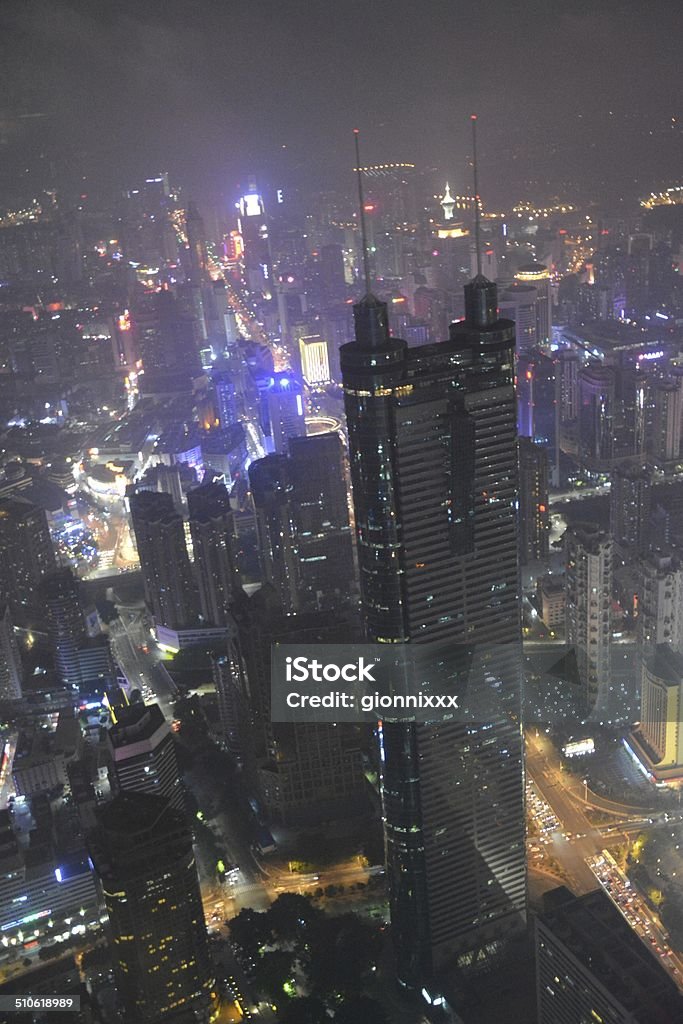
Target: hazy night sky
[211,89]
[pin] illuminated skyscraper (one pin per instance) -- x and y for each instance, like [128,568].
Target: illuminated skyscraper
[519,302]
[432,440]
[538,276]
[315,361]
[283,414]
[143,856]
[253,226]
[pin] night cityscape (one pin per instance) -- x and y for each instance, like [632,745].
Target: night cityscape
[349,331]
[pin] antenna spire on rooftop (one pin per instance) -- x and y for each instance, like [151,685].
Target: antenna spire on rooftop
[361,203]
[477,225]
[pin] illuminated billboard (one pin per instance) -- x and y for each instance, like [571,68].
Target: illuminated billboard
[251,205]
[579,748]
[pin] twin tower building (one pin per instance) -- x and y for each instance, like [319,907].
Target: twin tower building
[433,453]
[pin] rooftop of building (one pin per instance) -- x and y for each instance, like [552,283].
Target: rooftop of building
[595,932]
[666,664]
[134,723]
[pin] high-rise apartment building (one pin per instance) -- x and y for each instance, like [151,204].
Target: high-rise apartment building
[534,506]
[630,505]
[143,856]
[26,552]
[588,553]
[166,571]
[664,442]
[660,605]
[432,442]
[60,593]
[212,531]
[10,658]
[567,399]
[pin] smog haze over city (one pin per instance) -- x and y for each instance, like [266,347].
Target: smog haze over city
[341,512]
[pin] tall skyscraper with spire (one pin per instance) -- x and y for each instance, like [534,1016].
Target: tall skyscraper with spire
[432,439]
[432,436]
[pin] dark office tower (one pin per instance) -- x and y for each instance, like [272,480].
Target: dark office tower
[332,280]
[198,264]
[305,773]
[597,398]
[664,443]
[433,452]
[324,542]
[212,530]
[143,754]
[592,966]
[567,398]
[167,335]
[630,506]
[588,552]
[26,552]
[166,570]
[61,599]
[143,856]
[253,227]
[534,514]
[147,233]
[10,658]
[272,488]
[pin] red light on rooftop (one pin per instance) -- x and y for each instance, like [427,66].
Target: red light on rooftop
[368,207]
